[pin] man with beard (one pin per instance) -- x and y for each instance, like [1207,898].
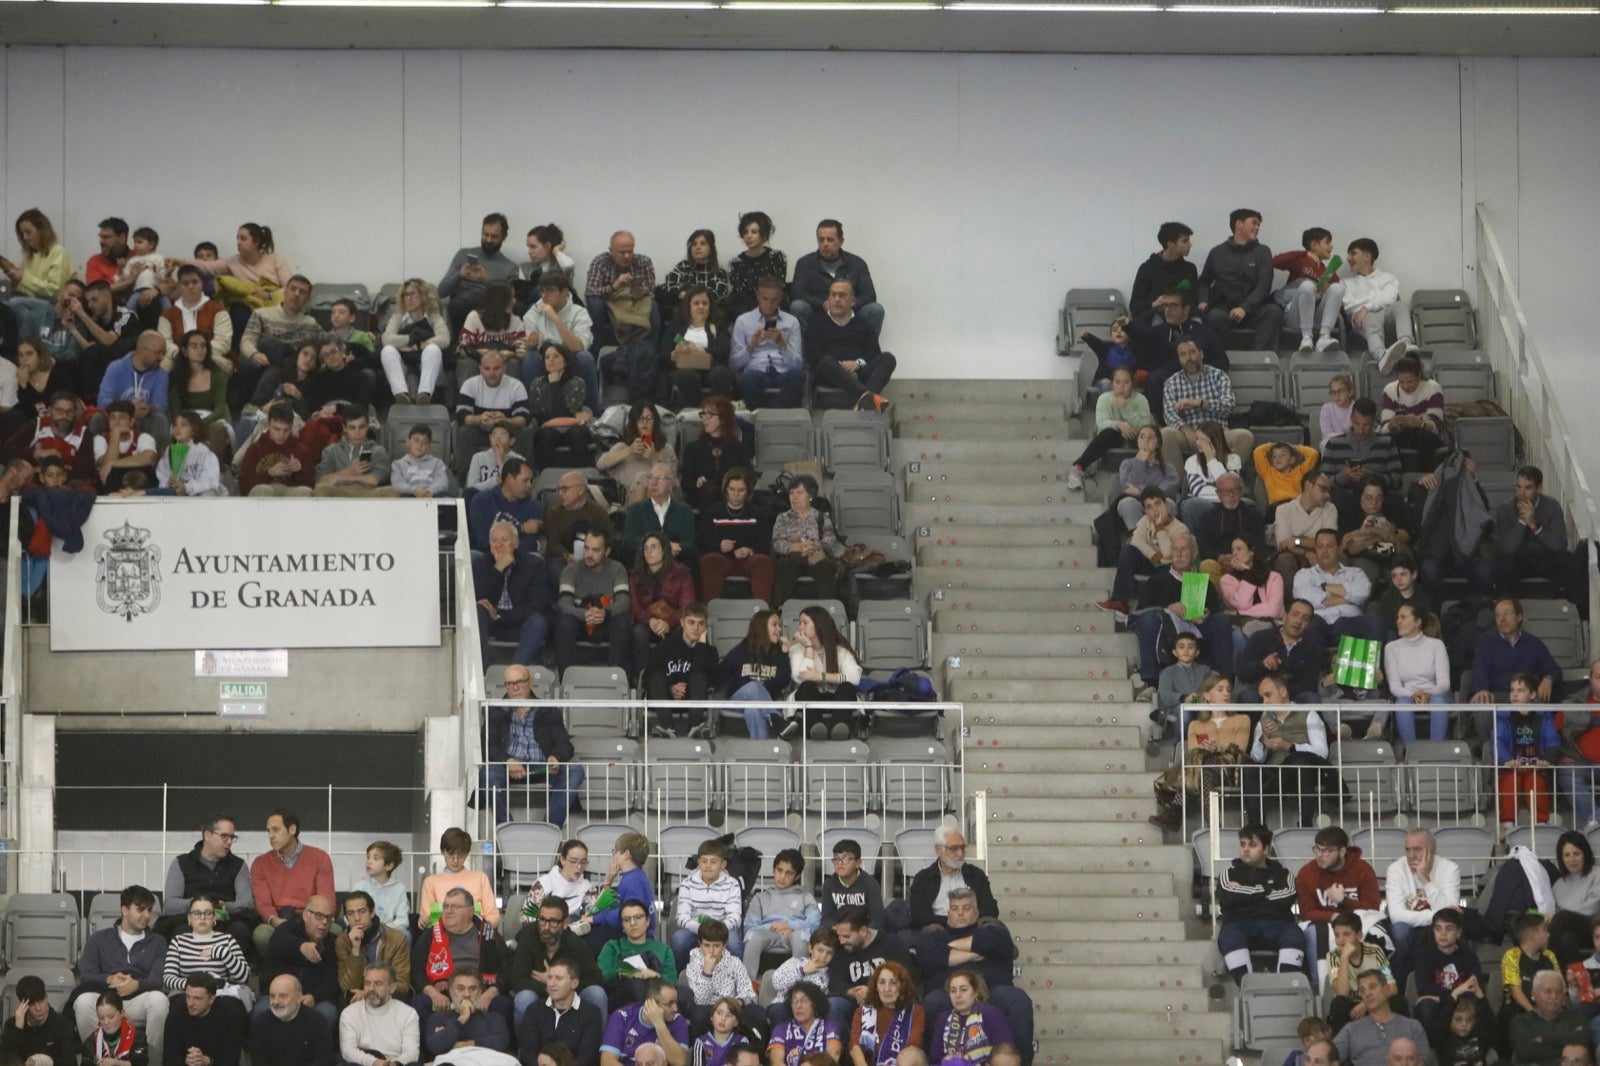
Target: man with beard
[289,1034]
[208,1031]
[474,267]
[377,1029]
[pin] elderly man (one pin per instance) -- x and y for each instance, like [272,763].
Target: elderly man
[128,959]
[574,513]
[620,272]
[210,867]
[377,1029]
[979,944]
[288,875]
[463,1022]
[528,744]
[1367,1040]
[1537,1036]
[512,591]
[366,943]
[1417,887]
[460,940]
[593,600]
[304,948]
[1161,609]
[1507,651]
[561,1017]
[208,1031]
[1217,525]
[658,512]
[287,1034]
[1197,393]
[649,1033]
[768,351]
[950,870]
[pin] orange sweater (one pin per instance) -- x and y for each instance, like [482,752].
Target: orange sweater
[1285,485]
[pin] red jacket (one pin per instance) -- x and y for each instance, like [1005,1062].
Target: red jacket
[1300,265]
[1360,883]
[677,589]
[264,454]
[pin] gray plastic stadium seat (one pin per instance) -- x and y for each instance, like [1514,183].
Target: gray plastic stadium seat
[891,634]
[1371,777]
[1088,309]
[837,779]
[854,440]
[768,840]
[1380,845]
[524,850]
[105,911]
[729,620]
[680,780]
[1442,779]
[757,780]
[435,416]
[1491,441]
[870,839]
[865,502]
[544,681]
[1293,847]
[323,295]
[1556,622]
[42,927]
[597,683]
[612,766]
[1308,374]
[1270,1007]
[1469,847]
[913,849]
[599,837]
[1443,318]
[913,778]
[673,847]
[385,303]
[1463,374]
[782,436]
[1255,376]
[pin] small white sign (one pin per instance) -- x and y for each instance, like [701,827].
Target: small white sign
[241,662]
[243,709]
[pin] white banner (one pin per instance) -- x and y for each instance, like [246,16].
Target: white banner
[242,573]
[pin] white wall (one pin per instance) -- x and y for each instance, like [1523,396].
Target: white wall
[980,187]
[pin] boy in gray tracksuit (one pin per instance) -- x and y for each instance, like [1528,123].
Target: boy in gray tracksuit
[783,917]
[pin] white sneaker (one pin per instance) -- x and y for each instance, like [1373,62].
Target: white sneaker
[1075,479]
[1390,355]
[1325,343]
[1305,342]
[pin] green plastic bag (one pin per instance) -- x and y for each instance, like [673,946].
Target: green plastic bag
[1195,587]
[1356,662]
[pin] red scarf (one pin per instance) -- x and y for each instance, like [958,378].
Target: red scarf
[124,1042]
[441,965]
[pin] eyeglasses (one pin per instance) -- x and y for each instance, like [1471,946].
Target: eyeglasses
[518,681]
[636,917]
[550,921]
[224,836]
[324,915]
[577,862]
[708,414]
[954,847]
[202,914]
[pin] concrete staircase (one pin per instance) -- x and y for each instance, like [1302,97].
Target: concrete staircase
[1098,901]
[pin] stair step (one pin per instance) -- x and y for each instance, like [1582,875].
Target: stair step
[1031,557]
[1072,535]
[934,433]
[1135,1048]
[984,690]
[1092,931]
[1003,832]
[910,415]
[1130,808]
[1061,452]
[1099,623]
[1029,598]
[918,514]
[994,495]
[1050,999]
[1098,908]
[1127,738]
[1127,977]
[1054,714]
[1019,667]
[1103,641]
[1074,857]
[1091,581]
[1001,785]
[925,474]
[981,390]
[1121,886]
[1171,954]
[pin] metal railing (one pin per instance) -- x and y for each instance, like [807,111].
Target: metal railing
[1529,395]
[11,678]
[1378,790]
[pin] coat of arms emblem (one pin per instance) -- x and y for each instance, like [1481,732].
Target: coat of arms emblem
[128,573]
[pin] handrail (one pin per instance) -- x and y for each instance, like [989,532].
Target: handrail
[11,672]
[469,652]
[1535,408]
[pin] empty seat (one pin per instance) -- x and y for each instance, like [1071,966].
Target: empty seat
[524,850]
[1556,622]
[1255,376]
[1089,309]
[1470,847]
[891,634]
[679,778]
[757,777]
[1293,847]
[42,927]
[837,779]
[729,620]
[865,502]
[1463,374]
[854,440]
[835,609]
[913,850]
[1205,865]
[1491,440]
[1371,778]
[1443,318]
[782,436]
[1270,1007]
[611,767]
[1380,845]
[1441,779]
[913,778]
[385,304]
[1309,374]
[598,683]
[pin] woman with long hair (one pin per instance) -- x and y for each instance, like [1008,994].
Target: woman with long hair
[757,670]
[1416,667]
[973,1027]
[555,400]
[826,670]
[717,450]
[415,339]
[199,384]
[698,266]
[492,328]
[1251,588]
[252,277]
[1211,459]
[658,588]
[891,1019]
[45,267]
[642,446]
[757,261]
[696,346]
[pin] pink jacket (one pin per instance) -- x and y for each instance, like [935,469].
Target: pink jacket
[1254,601]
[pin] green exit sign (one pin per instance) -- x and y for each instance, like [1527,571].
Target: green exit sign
[243,690]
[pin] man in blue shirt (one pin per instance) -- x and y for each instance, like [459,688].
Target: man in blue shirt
[1507,651]
[767,350]
[138,378]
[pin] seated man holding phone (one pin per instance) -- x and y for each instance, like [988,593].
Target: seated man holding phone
[354,465]
[767,351]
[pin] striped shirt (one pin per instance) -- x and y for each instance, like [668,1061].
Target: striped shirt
[217,954]
[1427,401]
[722,899]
